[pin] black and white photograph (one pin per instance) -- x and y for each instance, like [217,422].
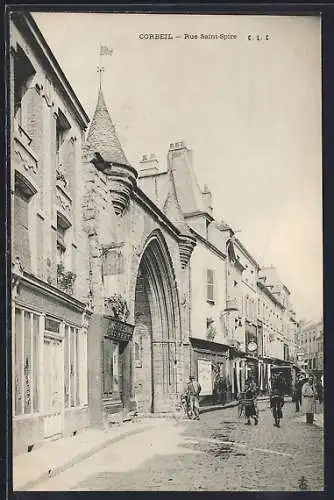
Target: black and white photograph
[166,252]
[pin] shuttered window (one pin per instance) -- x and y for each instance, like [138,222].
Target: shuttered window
[210,285]
[21,243]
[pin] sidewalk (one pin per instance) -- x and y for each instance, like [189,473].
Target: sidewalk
[54,457]
[318,419]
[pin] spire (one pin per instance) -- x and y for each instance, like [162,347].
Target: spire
[102,137]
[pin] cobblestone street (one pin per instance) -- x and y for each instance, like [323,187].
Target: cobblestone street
[217,453]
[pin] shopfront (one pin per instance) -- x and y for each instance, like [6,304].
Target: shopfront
[110,367]
[211,365]
[49,340]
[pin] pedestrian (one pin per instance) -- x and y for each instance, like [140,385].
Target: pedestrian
[250,394]
[277,398]
[308,399]
[298,392]
[320,391]
[193,390]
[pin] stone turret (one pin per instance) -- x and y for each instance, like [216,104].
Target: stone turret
[104,150]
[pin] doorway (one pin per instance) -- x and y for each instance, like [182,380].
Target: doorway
[156,330]
[53,364]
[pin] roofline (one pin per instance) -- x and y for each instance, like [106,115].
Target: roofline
[25,22]
[208,244]
[248,255]
[269,294]
[197,213]
[139,195]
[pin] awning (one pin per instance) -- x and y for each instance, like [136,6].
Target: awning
[280,367]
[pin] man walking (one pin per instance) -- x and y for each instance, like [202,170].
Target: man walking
[193,391]
[298,392]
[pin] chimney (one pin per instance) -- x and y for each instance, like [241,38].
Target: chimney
[207,198]
[178,155]
[149,165]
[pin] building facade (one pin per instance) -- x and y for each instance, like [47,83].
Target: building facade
[49,246]
[310,337]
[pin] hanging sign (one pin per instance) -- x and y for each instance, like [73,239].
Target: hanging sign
[119,330]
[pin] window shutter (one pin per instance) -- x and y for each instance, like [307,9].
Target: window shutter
[68,162]
[210,285]
[21,243]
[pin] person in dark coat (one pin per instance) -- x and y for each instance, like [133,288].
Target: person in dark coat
[277,393]
[320,391]
[251,392]
[298,392]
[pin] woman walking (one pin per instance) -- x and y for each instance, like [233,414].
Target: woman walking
[308,396]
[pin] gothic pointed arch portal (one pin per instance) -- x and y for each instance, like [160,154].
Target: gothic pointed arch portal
[156,331]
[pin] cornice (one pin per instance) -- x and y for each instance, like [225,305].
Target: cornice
[270,295]
[31,281]
[208,244]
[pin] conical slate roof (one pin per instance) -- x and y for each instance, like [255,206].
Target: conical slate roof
[102,137]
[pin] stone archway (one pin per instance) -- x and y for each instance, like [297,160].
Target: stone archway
[156,330]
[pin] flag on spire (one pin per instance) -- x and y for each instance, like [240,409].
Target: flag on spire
[105,51]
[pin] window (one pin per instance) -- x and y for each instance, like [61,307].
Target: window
[210,286]
[75,376]
[23,74]
[110,355]
[26,362]
[62,127]
[62,227]
[24,192]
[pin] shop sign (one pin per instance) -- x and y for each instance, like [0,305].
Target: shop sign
[119,330]
[204,376]
[52,325]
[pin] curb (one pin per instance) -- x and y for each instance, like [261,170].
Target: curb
[218,407]
[232,404]
[78,458]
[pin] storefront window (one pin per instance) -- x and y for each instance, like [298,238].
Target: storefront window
[66,364]
[111,380]
[26,361]
[75,360]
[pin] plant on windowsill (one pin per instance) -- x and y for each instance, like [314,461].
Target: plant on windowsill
[65,279]
[117,307]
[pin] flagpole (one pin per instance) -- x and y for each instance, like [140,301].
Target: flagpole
[100,67]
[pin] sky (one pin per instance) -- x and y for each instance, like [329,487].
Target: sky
[249,109]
